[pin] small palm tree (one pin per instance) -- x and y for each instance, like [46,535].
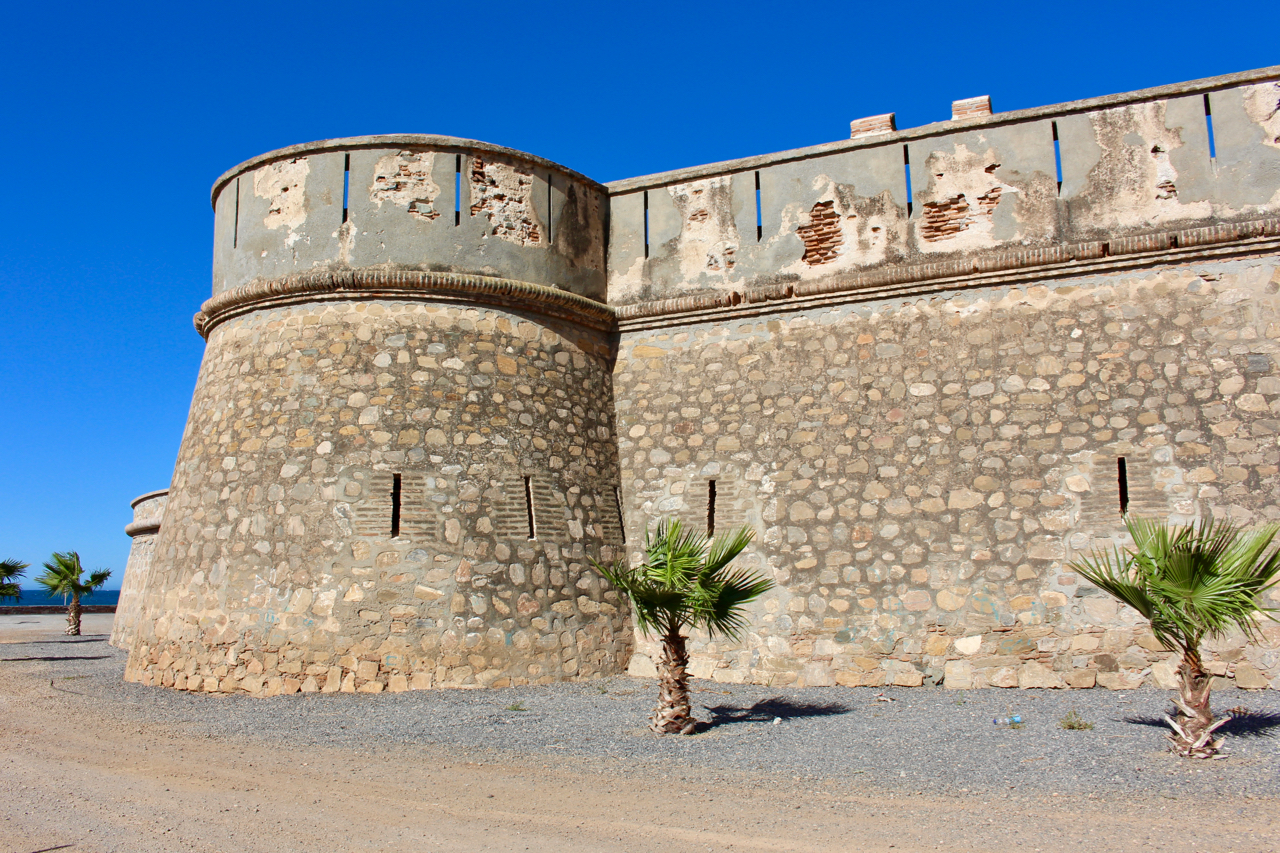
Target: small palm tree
[63,577]
[1191,583]
[685,582]
[10,572]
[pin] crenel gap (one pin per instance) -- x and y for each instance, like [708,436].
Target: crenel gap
[906,170]
[759,216]
[1208,121]
[1057,155]
[235,227]
[457,191]
[346,185]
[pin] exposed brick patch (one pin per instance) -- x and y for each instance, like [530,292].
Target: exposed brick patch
[405,179]
[971,107]
[502,192]
[699,215]
[822,236]
[946,218]
[988,200]
[872,125]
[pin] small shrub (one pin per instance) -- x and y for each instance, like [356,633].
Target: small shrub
[517,706]
[1073,722]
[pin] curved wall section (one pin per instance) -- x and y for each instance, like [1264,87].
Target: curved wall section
[429,203]
[381,495]
[148,510]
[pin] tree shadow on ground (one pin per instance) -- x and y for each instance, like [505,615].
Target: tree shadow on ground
[766,710]
[84,638]
[1244,723]
[51,658]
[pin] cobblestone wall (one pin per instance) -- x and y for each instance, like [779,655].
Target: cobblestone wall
[920,473]
[318,431]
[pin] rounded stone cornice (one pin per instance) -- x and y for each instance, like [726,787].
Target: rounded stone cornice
[142,528]
[331,285]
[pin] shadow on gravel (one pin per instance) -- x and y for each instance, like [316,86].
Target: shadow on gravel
[97,638]
[766,710]
[1244,723]
[57,658]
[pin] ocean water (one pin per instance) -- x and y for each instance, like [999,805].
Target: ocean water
[39,598]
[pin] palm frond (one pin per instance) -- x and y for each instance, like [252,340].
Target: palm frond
[682,581]
[1190,581]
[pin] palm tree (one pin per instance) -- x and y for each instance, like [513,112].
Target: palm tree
[63,577]
[685,582]
[1191,583]
[10,572]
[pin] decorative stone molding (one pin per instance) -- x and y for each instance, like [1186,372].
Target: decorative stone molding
[402,284]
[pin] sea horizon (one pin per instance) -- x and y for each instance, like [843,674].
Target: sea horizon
[42,598]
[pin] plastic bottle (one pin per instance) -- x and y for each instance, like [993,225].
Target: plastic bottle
[1006,721]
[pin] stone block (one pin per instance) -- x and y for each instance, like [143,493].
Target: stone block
[958,675]
[641,667]
[969,645]
[1080,679]
[1003,676]
[908,678]
[1035,675]
[1122,680]
[1164,675]
[1250,677]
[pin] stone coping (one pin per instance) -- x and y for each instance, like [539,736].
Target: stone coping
[725,167]
[148,496]
[403,284]
[391,141]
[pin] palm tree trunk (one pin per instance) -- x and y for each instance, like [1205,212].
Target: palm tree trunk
[1192,735]
[673,714]
[73,617]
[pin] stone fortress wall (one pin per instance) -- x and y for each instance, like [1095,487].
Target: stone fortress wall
[148,511]
[929,366]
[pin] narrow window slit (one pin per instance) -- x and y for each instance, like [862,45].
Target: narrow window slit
[646,223]
[617,504]
[711,507]
[759,215]
[1122,477]
[906,170]
[235,227]
[528,507]
[1208,121]
[457,191]
[346,186]
[550,198]
[395,505]
[1057,156]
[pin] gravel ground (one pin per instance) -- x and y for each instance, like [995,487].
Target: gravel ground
[927,740]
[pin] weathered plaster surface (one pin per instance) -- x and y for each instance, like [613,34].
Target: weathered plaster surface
[404,179]
[283,185]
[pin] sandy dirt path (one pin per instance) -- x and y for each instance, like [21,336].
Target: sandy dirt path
[76,776]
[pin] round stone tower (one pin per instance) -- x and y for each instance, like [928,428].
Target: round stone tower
[399,460]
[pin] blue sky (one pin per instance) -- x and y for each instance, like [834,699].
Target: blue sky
[118,117]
